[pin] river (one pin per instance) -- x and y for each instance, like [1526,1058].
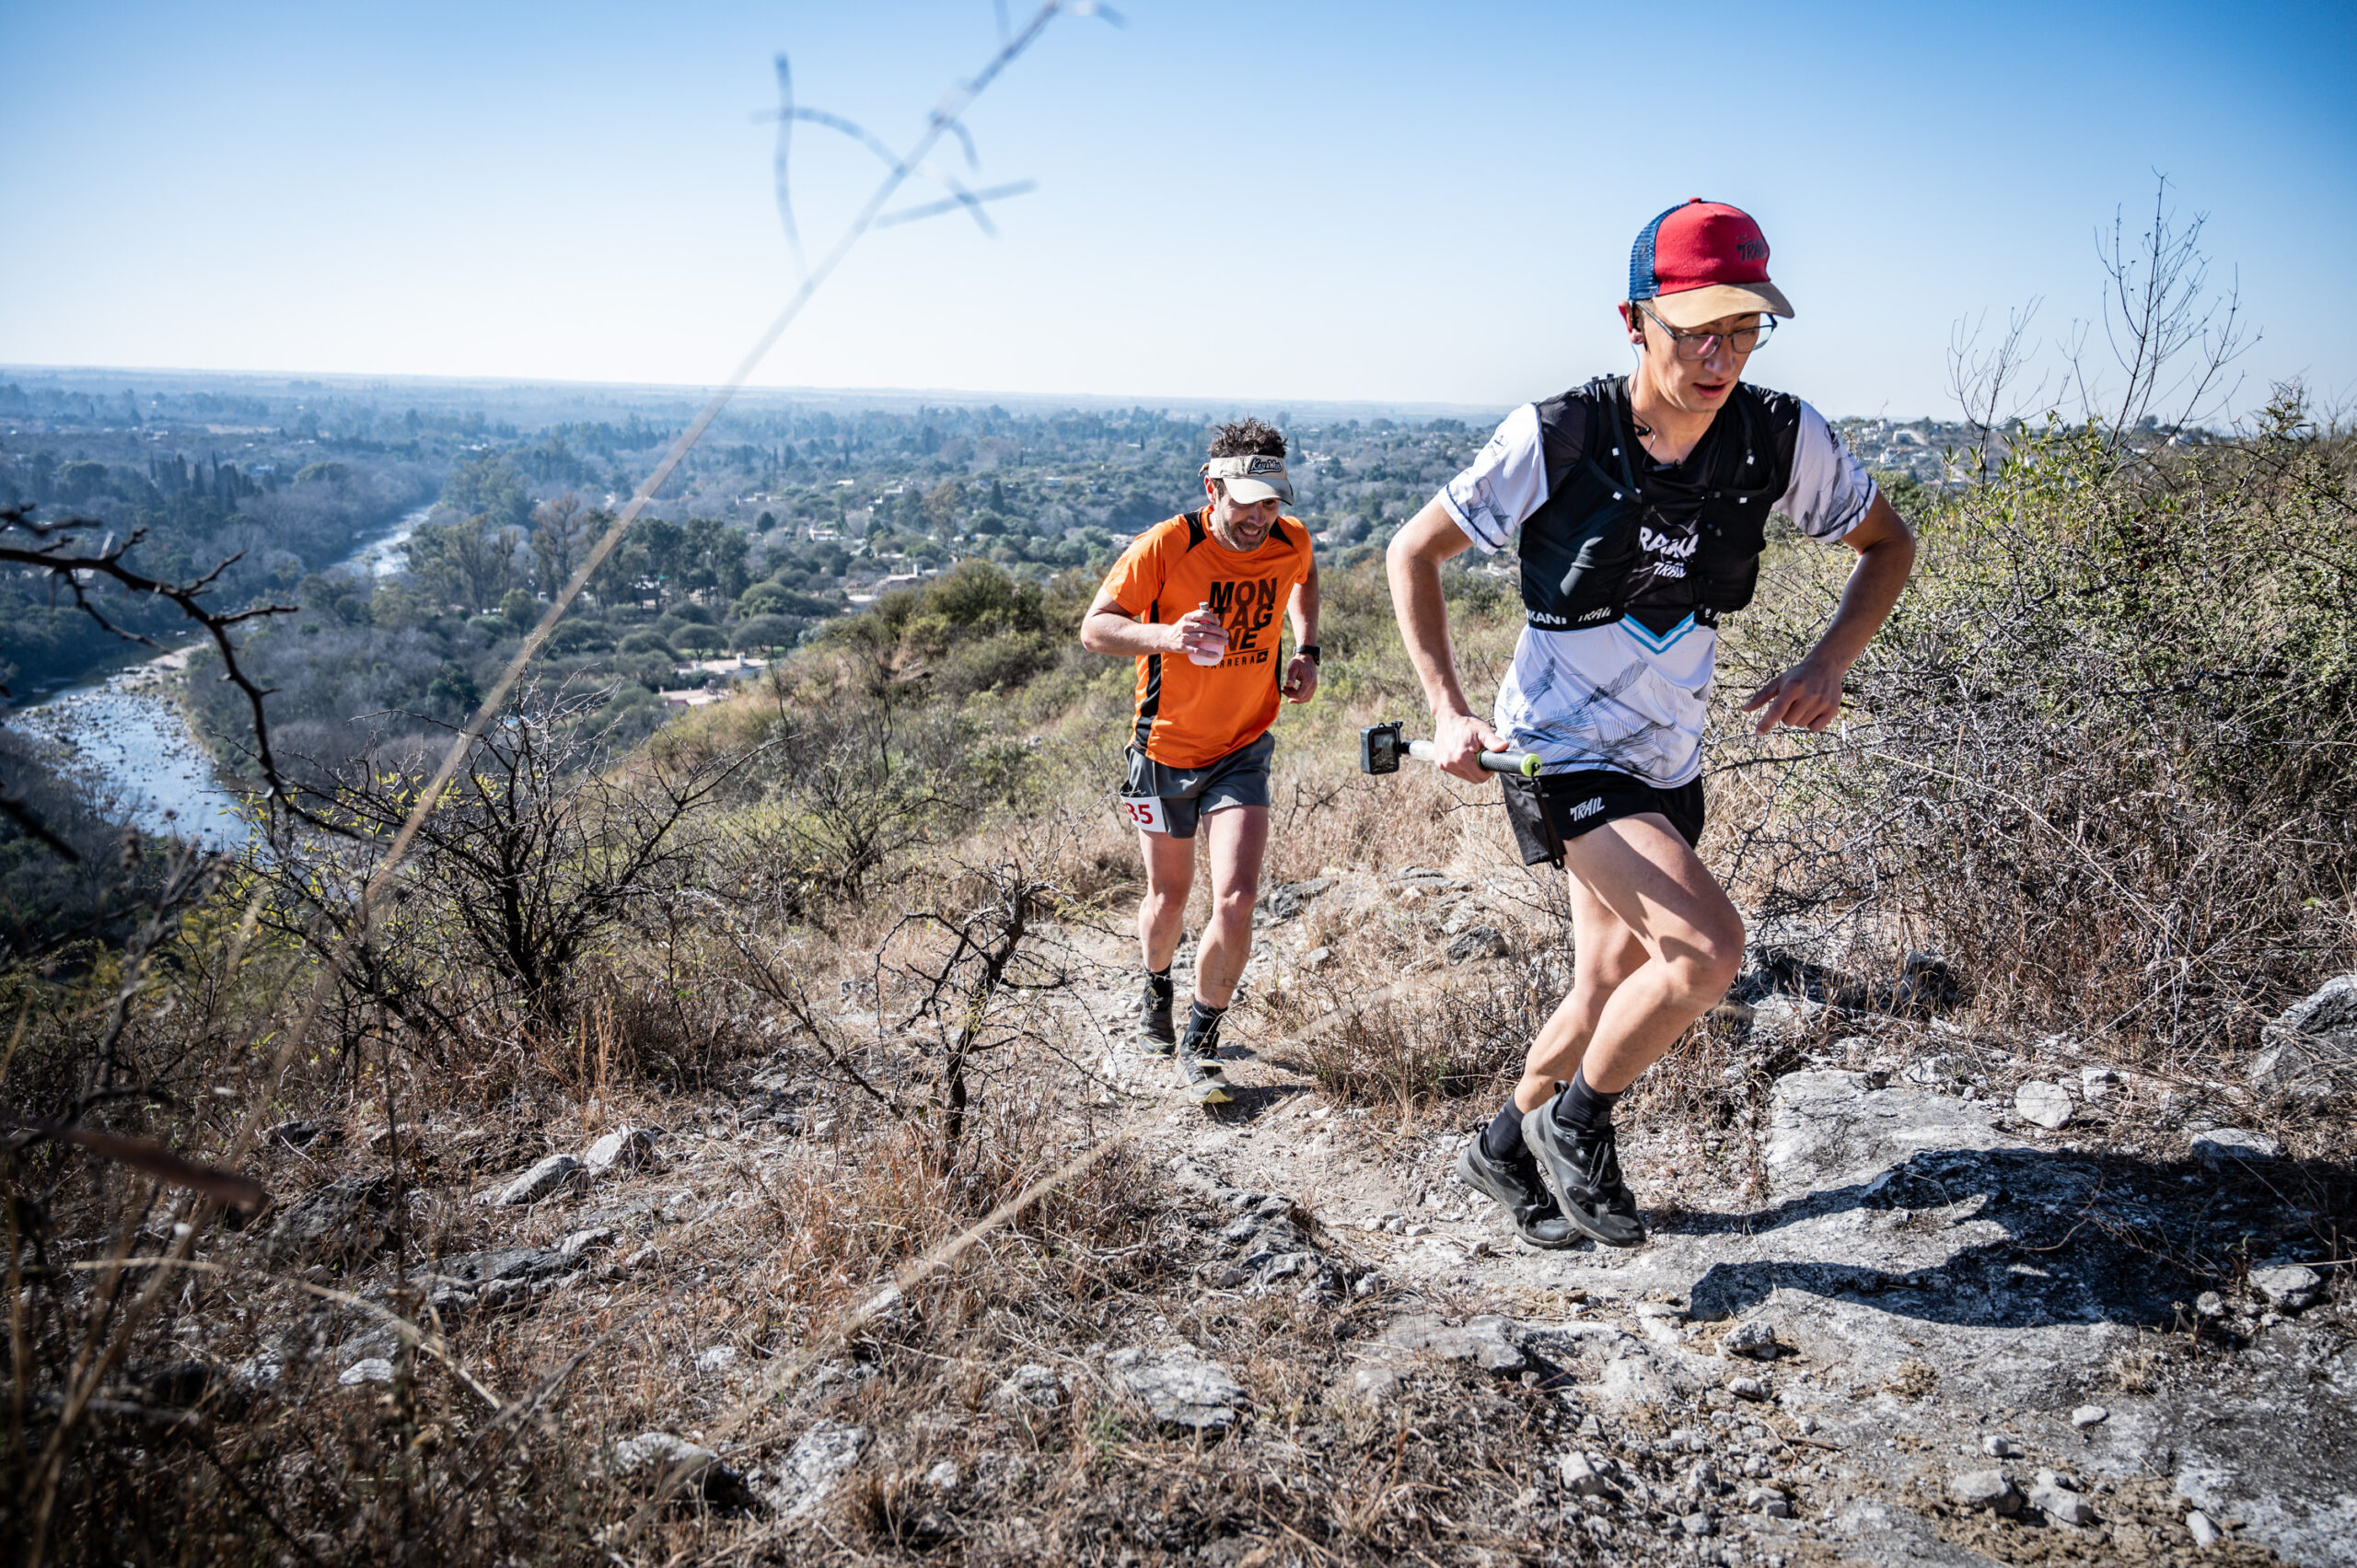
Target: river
[127,736]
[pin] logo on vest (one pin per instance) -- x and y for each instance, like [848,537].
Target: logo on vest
[1673,549]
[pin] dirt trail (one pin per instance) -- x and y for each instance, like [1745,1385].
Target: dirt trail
[1923,1290]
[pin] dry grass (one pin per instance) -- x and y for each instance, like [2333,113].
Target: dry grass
[733,1009]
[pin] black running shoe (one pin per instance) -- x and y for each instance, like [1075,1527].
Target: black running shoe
[1157,1035]
[1519,1190]
[1584,1173]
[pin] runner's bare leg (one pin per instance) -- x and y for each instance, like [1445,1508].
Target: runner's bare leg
[1604,953]
[1162,913]
[1641,873]
[1239,837]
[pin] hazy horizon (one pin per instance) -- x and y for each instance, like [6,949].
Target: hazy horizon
[1396,206]
[96,378]
[102,377]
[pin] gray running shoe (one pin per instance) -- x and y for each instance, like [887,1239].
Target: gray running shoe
[1199,1065]
[1157,1035]
[1584,1173]
[1199,1075]
[1519,1188]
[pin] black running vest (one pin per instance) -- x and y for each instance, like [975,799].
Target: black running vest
[1679,540]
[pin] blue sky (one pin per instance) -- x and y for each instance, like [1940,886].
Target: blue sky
[1422,204]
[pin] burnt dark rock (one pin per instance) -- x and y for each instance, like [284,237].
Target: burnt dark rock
[1286,899]
[2311,1048]
[1476,943]
[342,1222]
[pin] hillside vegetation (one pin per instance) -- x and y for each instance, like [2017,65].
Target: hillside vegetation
[853,941]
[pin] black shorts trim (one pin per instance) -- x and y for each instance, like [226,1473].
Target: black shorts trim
[1549,810]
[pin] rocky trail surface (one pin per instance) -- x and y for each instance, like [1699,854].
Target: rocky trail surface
[1908,1297]
[1913,1329]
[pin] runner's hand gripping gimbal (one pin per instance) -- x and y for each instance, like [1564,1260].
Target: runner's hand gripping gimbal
[1380,749]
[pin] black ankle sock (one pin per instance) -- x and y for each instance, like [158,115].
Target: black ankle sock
[1579,1108]
[1160,980]
[1203,1026]
[1502,1140]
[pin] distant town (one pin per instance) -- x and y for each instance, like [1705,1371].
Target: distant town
[420,525]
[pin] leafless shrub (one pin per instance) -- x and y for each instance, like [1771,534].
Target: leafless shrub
[1986,379]
[2171,341]
[2104,758]
[985,965]
[852,790]
[2163,374]
[535,857]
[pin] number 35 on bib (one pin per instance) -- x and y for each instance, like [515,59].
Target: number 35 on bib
[1145,813]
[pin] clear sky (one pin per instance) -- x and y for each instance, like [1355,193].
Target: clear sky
[1428,203]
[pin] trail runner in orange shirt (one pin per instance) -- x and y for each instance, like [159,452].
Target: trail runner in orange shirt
[1195,601]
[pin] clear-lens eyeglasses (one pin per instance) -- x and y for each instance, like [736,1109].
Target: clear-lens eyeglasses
[1699,345]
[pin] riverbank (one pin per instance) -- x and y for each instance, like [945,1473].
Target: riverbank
[127,736]
[129,741]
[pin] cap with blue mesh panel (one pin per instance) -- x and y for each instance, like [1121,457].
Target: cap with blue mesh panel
[1701,261]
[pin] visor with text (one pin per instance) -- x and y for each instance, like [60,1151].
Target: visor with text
[1251,479]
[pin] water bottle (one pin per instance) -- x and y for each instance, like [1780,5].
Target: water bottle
[1208,659]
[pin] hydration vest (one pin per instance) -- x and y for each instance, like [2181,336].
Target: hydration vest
[1607,544]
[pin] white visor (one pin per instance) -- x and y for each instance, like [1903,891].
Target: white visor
[1251,479]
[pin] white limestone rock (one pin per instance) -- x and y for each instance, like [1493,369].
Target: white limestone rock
[541,1181]
[2046,1104]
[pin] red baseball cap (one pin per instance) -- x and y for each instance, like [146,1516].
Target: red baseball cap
[1700,261]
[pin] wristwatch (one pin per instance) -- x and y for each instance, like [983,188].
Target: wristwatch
[1308,651]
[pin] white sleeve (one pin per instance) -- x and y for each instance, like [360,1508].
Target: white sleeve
[1830,490]
[1503,484]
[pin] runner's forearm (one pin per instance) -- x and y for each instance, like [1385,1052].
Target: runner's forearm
[1302,610]
[1873,590]
[1413,562]
[1110,632]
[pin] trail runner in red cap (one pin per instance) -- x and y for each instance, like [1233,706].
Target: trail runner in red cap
[1640,502]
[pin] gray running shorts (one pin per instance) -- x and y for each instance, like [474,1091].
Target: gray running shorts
[1240,778]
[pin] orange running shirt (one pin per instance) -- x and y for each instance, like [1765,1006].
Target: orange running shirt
[1188,714]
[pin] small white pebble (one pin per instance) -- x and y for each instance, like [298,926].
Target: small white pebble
[2089,1415]
[2204,1532]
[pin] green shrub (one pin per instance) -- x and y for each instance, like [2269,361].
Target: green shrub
[766,631]
[972,628]
[693,640]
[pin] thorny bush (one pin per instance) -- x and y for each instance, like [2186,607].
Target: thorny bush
[2104,757]
[538,852]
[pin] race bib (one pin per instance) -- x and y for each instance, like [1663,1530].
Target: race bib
[1146,814]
